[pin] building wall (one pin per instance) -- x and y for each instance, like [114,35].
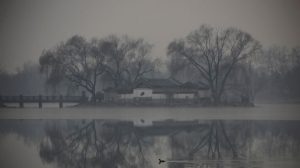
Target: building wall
[137,93]
[142,92]
[158,96]
[148,93]
[184,96]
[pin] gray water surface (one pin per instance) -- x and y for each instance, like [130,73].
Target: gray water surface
[272,143]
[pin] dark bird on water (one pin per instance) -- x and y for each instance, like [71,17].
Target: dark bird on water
[161,161]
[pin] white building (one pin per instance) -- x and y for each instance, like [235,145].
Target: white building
[158,90]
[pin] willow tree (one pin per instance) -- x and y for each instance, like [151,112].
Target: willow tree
[79,61]
[213,53]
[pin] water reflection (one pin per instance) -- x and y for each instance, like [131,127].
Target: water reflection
[96,144]
[113,143]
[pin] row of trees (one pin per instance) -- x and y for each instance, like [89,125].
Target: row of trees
[216,58]
[230,61]
[27,80]
[278,71]
[121,61]
[212,53]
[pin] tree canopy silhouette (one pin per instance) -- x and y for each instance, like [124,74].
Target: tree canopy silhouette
[213,53]
[121,60]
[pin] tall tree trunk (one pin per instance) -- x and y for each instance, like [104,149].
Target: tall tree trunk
[93,98]
[216,97]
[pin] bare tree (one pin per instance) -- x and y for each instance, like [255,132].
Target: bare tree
[279,65]
[214,53]
[129,59]
[291,78]
[276,60]
[53,77]
[77,60]
[27,80]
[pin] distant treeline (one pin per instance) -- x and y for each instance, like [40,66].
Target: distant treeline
[225,60]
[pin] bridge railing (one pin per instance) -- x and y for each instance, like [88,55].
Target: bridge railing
[40,99]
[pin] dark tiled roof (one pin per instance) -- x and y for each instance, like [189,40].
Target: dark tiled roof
[174,90]
[157,83]
[190,85]
[121,90]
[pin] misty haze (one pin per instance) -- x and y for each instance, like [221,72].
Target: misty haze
[149,83]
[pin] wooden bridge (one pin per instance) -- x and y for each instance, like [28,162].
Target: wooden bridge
[40,99]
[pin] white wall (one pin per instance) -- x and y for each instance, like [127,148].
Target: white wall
[142,92]
[159,96]
[138,93]
[147,92]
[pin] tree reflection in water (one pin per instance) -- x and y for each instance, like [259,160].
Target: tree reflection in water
[110,144]
[97,144]
[218,141]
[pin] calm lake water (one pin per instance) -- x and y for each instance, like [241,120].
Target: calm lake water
[264,136]
[149,114]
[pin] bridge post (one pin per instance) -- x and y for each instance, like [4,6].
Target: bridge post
[1,103]
[60,101]
[40,101]
[21,103]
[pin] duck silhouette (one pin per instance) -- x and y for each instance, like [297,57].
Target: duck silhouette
[160,161]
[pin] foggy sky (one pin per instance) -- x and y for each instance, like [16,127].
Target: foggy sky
[29,26]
